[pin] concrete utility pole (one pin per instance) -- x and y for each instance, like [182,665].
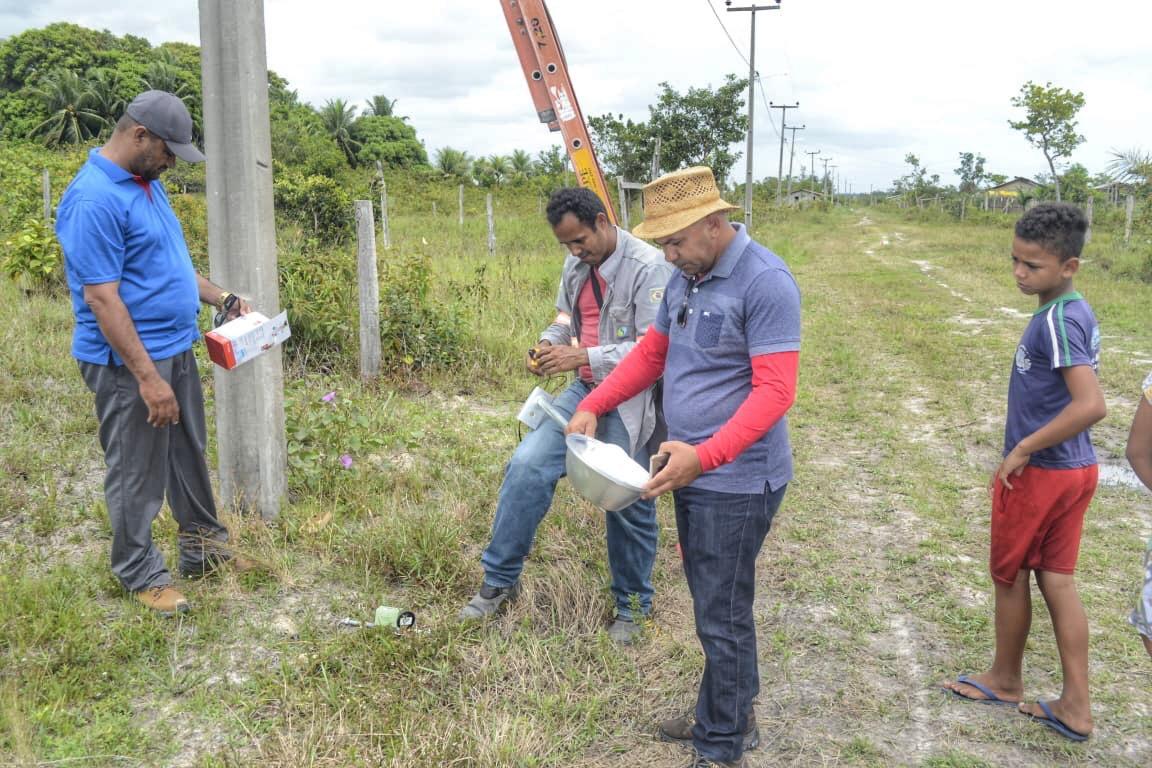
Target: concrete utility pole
[783,127]
[751,102]
[835,184]
[825,185]
[792,153]
[813,167]
[242,247]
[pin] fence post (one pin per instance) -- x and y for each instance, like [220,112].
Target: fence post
[46,185]
[385,234]
[1088,210]
[1129,210]
[369,291]
[622,197]
[491,225]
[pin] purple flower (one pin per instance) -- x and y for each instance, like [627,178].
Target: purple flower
[346,460]
[329,397]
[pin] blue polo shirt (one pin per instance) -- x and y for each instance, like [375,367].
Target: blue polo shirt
[747,305]
[1061,334]
[115,229]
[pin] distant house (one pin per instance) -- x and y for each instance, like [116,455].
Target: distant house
[803,197]
[1115,190]
[1012,188]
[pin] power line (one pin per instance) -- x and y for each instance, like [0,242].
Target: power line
[740,53]
[764,97]
[720,21]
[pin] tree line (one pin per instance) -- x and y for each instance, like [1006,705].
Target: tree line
[1050,125]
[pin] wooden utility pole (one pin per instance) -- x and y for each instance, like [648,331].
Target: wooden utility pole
[250,436]
[783,127]
[751,105]
[792,153]
[369,282]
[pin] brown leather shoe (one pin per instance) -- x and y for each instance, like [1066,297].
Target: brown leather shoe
[679,729]
[165,599]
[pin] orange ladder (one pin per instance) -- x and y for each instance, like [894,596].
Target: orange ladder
[542,59]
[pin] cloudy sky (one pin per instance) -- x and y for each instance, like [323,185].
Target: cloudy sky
[875,81]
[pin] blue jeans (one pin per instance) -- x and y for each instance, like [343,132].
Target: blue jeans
[720,536]
[530,480]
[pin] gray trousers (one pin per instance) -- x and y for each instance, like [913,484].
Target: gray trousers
[145,462]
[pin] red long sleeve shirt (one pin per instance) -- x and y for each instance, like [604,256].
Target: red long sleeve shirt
[773,392]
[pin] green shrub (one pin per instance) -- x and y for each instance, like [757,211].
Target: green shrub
[192,213]
[316,203]
[318,288]
[415,333]
[33,254]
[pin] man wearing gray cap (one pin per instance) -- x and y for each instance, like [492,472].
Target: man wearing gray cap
[136,297]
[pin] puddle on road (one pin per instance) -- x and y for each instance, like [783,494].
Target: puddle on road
[1119,477]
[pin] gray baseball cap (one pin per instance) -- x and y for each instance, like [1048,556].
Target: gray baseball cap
[165,115]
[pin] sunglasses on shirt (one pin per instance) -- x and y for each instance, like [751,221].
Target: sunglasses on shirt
[682,315]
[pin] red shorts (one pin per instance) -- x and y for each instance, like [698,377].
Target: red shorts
[1036,524]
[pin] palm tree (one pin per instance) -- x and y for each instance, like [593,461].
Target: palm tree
[163,74]
[500,168]
[103,85]
[74,119]
[382,106]
[453,162]
[338,117]
[1133,166]
[520,165]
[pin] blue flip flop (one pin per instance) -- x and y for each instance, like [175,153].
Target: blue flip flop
[1056,723]
[992,698]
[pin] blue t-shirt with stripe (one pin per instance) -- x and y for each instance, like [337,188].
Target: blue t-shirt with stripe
[1061,334]
[113,229]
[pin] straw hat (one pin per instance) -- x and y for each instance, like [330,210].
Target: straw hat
[678,200]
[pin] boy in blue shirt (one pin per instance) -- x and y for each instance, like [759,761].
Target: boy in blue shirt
[1046,480]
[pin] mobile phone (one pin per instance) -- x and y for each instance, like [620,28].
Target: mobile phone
[657,463]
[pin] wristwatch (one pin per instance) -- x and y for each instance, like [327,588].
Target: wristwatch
[222,300]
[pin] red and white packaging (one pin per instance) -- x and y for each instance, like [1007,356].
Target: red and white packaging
[245,338]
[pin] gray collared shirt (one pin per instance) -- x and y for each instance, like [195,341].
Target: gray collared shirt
[635,274]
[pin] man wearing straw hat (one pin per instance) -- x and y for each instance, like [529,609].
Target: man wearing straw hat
[727,341]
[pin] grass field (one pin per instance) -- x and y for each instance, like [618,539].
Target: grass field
[873,584]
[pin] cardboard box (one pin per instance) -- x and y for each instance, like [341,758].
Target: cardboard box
[247,337]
